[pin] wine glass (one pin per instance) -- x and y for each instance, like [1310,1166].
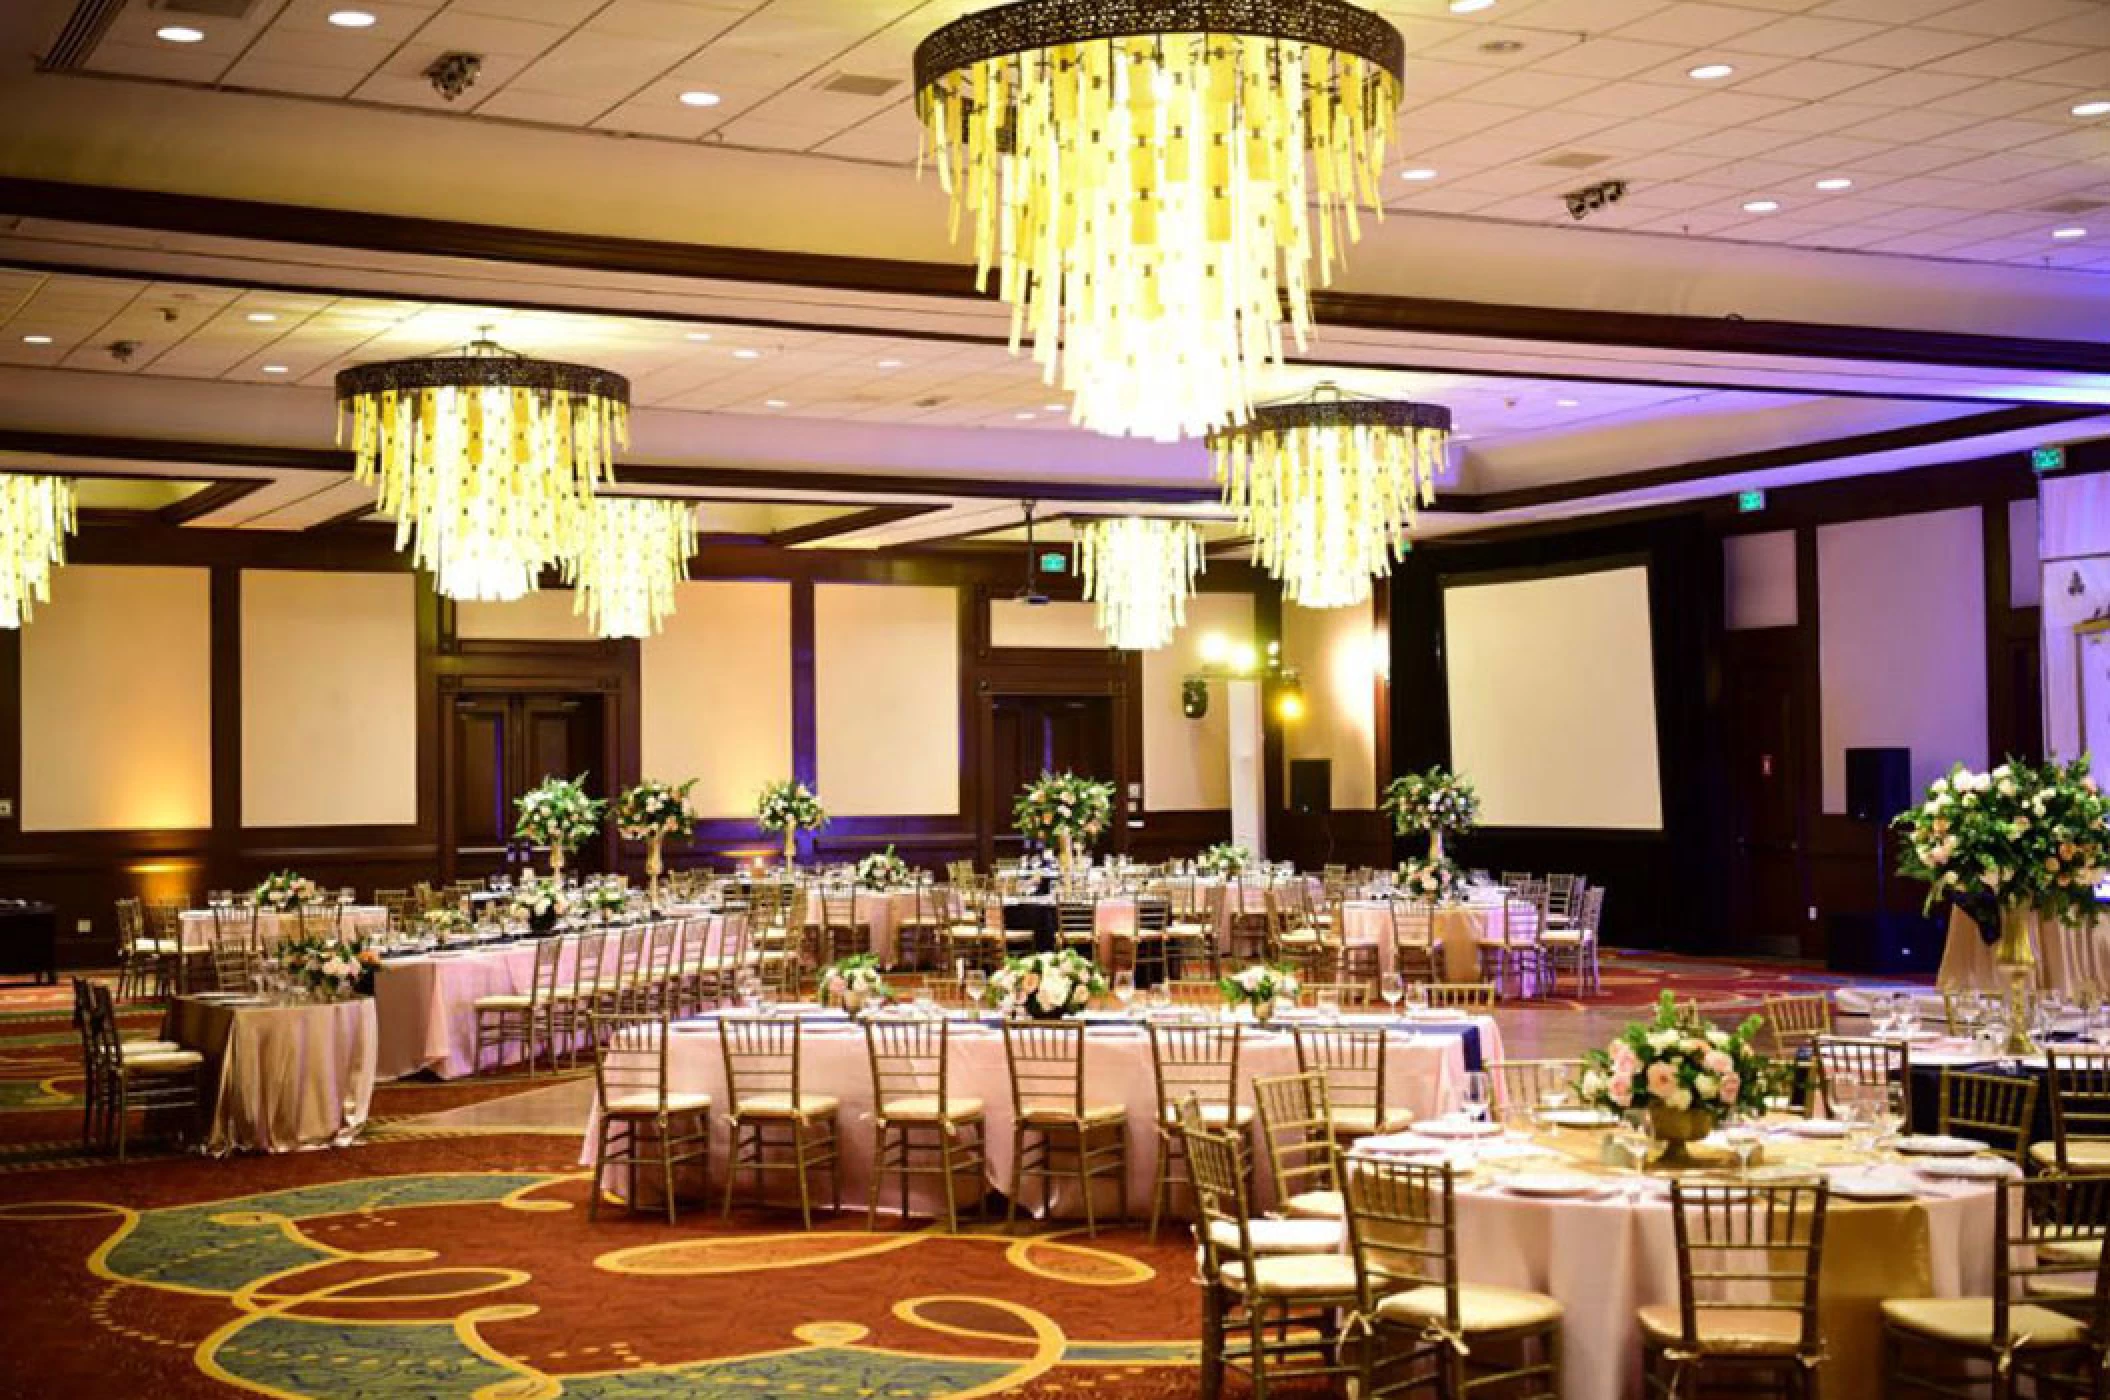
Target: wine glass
[1392,987]
[1328,1000]
[1417,997]
[1476,1097]
[1634,1139]
[1742,1137]
[976,984]
[1125,989]
[1161,998]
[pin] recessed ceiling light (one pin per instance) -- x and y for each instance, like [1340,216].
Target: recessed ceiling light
[1567,403]
[179,34]
[1419,172]
[697,97]
[1468,7]
[262,318]
[36,340]
[747,354]
[697,336]
[1761,206]
[2074,232]
[275,369]
[1709,72]
[2095,107]
[1835,182]
[892,364]
[352,19]
[774,403]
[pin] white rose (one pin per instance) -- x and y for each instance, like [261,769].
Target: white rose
[1054,988]
[1680,1100]
[1662,1040]
[1706,1086]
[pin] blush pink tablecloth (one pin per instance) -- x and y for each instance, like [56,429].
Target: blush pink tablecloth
[1424,1074]
[2067,958]
[283,1078]
[1459,929]
[366,920]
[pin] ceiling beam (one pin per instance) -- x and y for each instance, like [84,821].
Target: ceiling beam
[850,524]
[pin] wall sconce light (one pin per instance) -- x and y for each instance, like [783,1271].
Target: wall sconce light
[1289,698]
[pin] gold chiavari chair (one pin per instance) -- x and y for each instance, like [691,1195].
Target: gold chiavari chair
[92,1084]
[1563,897]
[1999,1110]
[1289,1304]
[2079,1085]
[621,988]
[643,1122]
[1748,1263]
[1304,1151]
[528,1019]
[916,1113]
[1574,945]
[725,960]
[579,998]
[846,923]
[145,963]
[1523,1085]
[164,919]
[1415,955]
[1474,996]
[2044,1328]
[1354,1061]
[1244,914]
[1053,1121]
[1198,1063]
[1077,926]
[1190,934]
[658,986]
[1847,1064]
[234,965]
[770,1109]
[1152,956]
[1292,941]
[395,905]
[1797,1021]
[1196,992]
[1347,995]
[917,937]
[164,1081]
[973,933]
[1403,1240]
[1517,955]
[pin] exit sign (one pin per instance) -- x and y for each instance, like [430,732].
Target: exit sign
[1750,502]
[2047,459]
[1054,562]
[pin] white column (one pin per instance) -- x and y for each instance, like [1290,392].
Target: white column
[1248,785]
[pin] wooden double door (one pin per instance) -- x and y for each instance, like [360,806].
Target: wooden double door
[1035,734]
[502,744]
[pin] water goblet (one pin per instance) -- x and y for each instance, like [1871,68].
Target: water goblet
[1161,997]
[976,984]
[1476,1095]
[1329,1005]
[1392,988]
[1743,1138]
[1633,1139]
[1417,996]
[1125,989]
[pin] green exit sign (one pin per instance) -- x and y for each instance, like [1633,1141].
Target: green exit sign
[2047,459]
[1750,502]
[1054,562]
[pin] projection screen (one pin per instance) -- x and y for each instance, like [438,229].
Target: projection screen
[1552,699]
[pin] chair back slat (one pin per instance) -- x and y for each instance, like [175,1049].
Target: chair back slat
[1046,1061]
[1746,1248]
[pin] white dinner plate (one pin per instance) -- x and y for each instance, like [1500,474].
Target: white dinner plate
[1397,1145]
[1934,1145]
[1552,1185]
[1870,1186]
[1578,1117]
[1967,1168]
[1818,1128]
[1457,1128]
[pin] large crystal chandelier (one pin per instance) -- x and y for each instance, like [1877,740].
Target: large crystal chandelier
[36,515]
[1148,178]
[486,459]
[1140,572]
[1328,486]
[630,554]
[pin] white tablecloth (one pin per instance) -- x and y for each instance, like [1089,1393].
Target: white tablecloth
[1459,929]
[283,1077]
[366,920]
[2066,958]
[1423,1075]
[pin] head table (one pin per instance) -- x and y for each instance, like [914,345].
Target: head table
[1425,1075]
[283,1076]
[199,925]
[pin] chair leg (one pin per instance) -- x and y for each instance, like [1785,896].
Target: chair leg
[732,1167]
[879,1145]
[1018,1171]
[666,1164]
[1161,1187]
[1084,1182]
[798,1157]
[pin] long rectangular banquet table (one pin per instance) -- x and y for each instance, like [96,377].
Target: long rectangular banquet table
[1425,1070]
[1607,1254]
[2067,958]
[282,1076]
[365,920]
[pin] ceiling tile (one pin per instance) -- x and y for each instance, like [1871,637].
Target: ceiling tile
[1601,57]
[1810,80]
[1902,48]
[1803,36]
[2001,17]
[1693,24]
[2008,58]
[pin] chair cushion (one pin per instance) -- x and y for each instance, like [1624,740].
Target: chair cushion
[133,1048]
[1729,1331]
[164,1061]
[1481,1307]
[781,1106]
[923,1108]
[1970,1321]
[1094,1113]
[1362,1119]
[1216,1115]
[1295,1276]
[1271,1236]
[2085,1252]
[1558,936]
[2082,1154]
[504,1002]
[155,947]
[646,1105]
[1316,1205]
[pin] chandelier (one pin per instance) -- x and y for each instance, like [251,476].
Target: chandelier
[630,554]
[485,458]
[1145,176]
[1140,572]
[36,515]
[1328,487]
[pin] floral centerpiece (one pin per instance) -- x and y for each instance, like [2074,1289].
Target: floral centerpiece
[604,898]
[651,812]
[1226,859]
[1433,880]
[1260,987]
[853,983]
[1063,810]
[560,815]
[541,902]
[883,870]
[1046,986]
[444,924]
[787,808]
[1686,1074]
[329,969]
[285,891]
[2018,844]
[1438,802]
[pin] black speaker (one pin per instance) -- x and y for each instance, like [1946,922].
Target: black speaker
[1878,783]
[1310,784]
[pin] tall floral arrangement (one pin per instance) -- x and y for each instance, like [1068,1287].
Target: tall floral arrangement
[1046,986]
[883,870]
[1225,858]
[558,814]
[655,809]
[786,808]
[2019,837]
[1063,804]
[1435,801]
[329,968]
[1432,880]
[284,891]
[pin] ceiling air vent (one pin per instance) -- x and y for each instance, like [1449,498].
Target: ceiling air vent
[210,9]
[1575,160]
[84,29]
[2071,206]
[861,84]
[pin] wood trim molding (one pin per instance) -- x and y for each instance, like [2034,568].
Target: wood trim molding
[218,496]
[870,518]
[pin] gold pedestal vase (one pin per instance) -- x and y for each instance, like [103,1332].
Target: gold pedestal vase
[2016,956]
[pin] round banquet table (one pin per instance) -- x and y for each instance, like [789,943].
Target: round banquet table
[884,910]
[2066,957]
[1424,1074]
[365,920]
[282,1076]
[1608,1255]
[1459,929]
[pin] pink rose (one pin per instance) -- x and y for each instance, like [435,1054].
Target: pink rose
[1622,1089]
[1732,1083]
[1717,1063]
[1624,1060]
[1662,1080]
